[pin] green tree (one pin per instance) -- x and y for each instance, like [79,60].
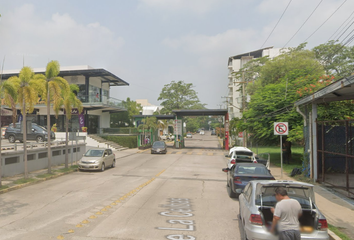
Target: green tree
[70,101]
[9,95]
[276,89]
[178,95]
[121,119]
[56,89]
[28,87]
[337,60]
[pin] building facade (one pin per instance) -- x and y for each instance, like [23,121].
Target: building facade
[94,92]
[236,97]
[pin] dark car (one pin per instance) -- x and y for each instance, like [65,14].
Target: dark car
[241,173]
[159,147]
[38,133]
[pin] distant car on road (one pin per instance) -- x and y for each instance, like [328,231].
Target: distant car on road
[38,133]
[213,132]
[258,198]
[201,132]
[159,147]
[189,135]
[97,159]
[240,174]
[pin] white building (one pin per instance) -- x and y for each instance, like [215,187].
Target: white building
[235,63]
[148,108]
[94,92]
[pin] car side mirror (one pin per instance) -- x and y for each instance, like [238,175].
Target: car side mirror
[226,155]
[226,170]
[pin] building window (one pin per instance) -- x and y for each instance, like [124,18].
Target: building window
[31,157]
[56,153]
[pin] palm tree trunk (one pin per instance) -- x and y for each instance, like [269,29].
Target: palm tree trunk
[48,131]
[0,147]
[24,130]
[66,142]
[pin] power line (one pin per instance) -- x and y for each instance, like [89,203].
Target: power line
[303,23]
[345,30]
[276,24]
[341,26]
[325,21]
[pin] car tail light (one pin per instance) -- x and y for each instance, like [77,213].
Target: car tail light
[233,161]
[255,161]
[237,180]
[322,224]
[256,219]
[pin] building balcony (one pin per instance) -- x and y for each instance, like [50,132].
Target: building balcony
[91,102]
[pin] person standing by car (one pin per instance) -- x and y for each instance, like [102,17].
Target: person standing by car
[286,215]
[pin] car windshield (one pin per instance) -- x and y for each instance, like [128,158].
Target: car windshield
[300,194]
[158,144]
[256,170]
[94,153]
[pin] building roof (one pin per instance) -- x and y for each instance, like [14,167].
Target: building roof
[200,112]
[342,89]
[255,54]
[106,76]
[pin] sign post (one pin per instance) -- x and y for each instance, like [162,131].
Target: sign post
[281,128]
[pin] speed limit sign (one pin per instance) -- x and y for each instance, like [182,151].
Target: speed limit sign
[281,128]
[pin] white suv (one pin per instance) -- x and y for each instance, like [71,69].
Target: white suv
[240,154]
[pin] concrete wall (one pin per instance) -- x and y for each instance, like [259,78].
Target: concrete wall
[12,162]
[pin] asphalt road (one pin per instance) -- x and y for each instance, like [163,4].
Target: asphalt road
[180,195]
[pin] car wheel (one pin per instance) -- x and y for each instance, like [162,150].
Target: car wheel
[114,163]
[102,167]
[12,139]
[230,192]
[39,139]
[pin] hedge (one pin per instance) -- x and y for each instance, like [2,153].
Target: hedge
[124,141]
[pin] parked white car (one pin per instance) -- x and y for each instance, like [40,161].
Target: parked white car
[258,198]
[240,154]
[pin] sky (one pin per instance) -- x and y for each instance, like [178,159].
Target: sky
[150,43]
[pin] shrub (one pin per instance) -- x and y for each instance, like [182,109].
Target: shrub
[124,141]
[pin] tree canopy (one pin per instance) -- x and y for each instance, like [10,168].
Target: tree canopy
[275,84]
[179,95]
[123,119]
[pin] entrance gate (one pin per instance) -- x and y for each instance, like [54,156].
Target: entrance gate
[179,140]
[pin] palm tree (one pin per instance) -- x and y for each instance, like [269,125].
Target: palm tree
[28,87]
[70,101]
[56,89]
[8,91]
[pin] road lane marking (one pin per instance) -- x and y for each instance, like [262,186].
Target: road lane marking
[131,193]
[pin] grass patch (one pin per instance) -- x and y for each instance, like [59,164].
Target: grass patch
[274,151]
[4,187]
[24,180]
[64,170]
[338,232]
[46,175]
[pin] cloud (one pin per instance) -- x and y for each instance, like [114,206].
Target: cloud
[192,6]
[230,41]
[27,35]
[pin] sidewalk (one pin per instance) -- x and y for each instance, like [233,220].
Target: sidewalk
[337,208]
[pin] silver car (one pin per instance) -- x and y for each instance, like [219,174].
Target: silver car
[258,198]
[97,159]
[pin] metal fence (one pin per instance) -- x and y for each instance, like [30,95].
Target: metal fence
[335,154]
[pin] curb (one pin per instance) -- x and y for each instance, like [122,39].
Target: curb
[333,236]
[37,180]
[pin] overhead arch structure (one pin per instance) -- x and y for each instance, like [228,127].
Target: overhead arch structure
[179,114]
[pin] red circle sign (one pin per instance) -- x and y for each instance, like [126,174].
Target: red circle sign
[281,128]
